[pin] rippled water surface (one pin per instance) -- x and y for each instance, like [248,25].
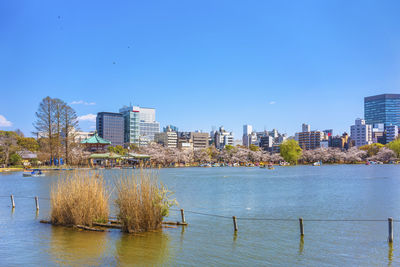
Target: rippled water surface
[326,192]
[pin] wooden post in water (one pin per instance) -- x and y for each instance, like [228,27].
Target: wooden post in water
[37,203]
[390,238]
[183,216]
[12,201]
[301,226]
[235,227]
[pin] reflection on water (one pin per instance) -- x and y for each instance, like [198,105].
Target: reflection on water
[390,254]
[75,248]
[301,245]
[146,249]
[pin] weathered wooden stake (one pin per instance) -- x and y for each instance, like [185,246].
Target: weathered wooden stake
[390,238]
[37,203]
[301,226]
[12,201]
[235,227]
[183,216]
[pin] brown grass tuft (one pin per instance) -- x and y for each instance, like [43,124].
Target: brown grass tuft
[79,199]
[142,202]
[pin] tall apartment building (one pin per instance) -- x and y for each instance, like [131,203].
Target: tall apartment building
[383,108]
[310,140]
[110,126]
[361,133]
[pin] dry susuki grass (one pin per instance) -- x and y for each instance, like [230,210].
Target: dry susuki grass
[79,199]
[141,202]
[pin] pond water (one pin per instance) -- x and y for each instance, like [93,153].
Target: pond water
[326,192]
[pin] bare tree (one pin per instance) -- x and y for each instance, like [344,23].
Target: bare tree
[44,123]
[70,126]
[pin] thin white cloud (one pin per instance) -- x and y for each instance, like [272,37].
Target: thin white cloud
[4,122]
[272,103]
[88,117]
[81,102]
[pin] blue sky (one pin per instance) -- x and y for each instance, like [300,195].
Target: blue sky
[272,64]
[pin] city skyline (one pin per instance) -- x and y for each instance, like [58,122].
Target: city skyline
[271,65]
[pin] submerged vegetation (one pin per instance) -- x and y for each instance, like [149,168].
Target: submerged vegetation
[142,202]
[80,199]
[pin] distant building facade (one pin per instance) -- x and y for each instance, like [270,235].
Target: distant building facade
[310,140]
[131,124]
[383,108]
[223,138]
[361,133]
[392,132]
[148,126]
[168,138]
[110,126]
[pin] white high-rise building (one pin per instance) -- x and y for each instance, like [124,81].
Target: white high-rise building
[248,135]
[247,129]
[148,124]
[140,124]
[361,133]
[305,128]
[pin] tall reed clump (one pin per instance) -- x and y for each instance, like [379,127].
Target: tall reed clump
[79,199]
[142,202]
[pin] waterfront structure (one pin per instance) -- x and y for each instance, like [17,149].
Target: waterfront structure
[223,138]
[392,132]
[110,126]
[383,108]
[310,140]
[95,143]
[361,133]
[168,138]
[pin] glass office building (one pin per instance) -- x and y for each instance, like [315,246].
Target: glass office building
[383,108]
[131,121]
[110,126]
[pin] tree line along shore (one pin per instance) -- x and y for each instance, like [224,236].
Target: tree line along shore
[56,125]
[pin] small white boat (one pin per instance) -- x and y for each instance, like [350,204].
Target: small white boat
[34,173]
[318,163]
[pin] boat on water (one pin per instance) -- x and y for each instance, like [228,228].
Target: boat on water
[33,173]
[271,167]
[284,163]
[318,163]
